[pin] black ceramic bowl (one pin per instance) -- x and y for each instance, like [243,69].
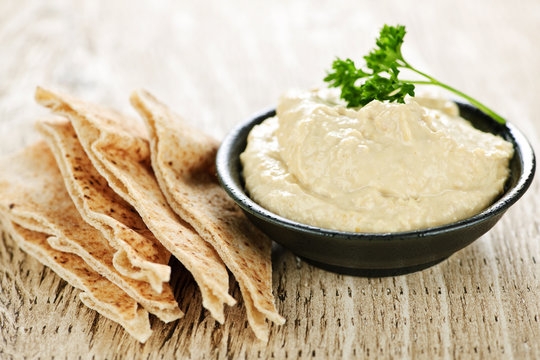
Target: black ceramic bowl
[380,254]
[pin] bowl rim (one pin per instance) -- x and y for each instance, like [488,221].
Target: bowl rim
[522,149]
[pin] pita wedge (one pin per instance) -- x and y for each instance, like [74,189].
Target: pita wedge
[98,293]
[138,254]
[183,159]
[33,195]
[118,148]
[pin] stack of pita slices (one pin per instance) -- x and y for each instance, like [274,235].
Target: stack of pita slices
[105,202]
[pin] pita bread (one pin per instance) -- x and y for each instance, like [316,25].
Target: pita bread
[183,159]
[138,254]
[98,293]
[119,150]
[33,195]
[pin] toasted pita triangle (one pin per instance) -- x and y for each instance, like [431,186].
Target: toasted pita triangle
[98,293]
[138,254]
[119,150]
[32,194]
[183,159]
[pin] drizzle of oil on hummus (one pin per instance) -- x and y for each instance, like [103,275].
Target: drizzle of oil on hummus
[385,167]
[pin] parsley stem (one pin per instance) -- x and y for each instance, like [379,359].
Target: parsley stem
[433,81]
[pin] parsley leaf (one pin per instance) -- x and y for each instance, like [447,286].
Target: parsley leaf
[380,81]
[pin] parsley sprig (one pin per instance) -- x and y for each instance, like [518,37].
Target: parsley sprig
[381,77]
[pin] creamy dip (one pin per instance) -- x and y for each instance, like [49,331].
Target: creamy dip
[385,167]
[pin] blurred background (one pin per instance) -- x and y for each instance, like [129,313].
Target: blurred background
[217,62]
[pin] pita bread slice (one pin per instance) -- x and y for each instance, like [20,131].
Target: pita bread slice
[183,159]
[98,293]
[138,254]
[32,194]
[118,149]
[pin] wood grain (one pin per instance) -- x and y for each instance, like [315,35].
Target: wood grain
[218,62]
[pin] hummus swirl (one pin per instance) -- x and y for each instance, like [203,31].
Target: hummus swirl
[385,167]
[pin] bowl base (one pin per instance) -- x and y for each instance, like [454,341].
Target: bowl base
[373,272]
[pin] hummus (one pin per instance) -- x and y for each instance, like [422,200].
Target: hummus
[385,167]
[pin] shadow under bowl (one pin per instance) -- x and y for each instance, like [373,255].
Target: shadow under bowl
[377,254]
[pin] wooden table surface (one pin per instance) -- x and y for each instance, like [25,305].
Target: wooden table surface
[217,62]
